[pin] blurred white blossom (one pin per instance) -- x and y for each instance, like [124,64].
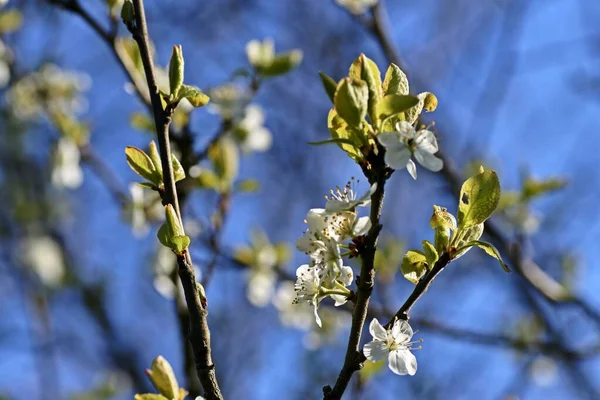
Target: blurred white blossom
[66,171]
[45,257]
[250,132]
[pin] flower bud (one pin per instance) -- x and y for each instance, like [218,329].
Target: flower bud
[176,65]
[163,378]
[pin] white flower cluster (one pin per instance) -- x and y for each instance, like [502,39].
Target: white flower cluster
[405,143]
[327,231]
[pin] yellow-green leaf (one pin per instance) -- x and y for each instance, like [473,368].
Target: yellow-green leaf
[395,81]
[365,69]
[163,378]
[489,249]
[329,85]
[193,95]
[155,157]
[431,253]
[393,104]
[139,161]
[176,70]
[150,396]
[344,135]
[414,266]
[281,64]
[10,21]
[351,100]
[479,197]
[178,172]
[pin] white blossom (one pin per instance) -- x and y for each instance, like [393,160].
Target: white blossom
[345,199]
[66,171]
[405,142]
[252,135]
[44,256]
[394,344]
[308,286]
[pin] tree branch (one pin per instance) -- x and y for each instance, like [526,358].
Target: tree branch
[199,335]
[354,357]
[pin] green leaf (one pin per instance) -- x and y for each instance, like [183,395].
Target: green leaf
[281,64]
[393,104]
[127,12]
[395,81]
[479,197]
[164,235]
[351,100]
[141,121]
[365,69]
[414,266]
[225,157]
[535,188]
[489,249]
[178,172]
[193,95]
[207,179]
[155,157]
[163,378]
[441,218]
[148,185]
[150,396]
[371,369]
[173,221]
[431,253]
[176,70]
[180,243]
[346,136]
[139,161]
[248,186]
[427,101]
[332,141]
[329,85]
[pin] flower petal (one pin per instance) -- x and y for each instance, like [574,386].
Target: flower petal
[405,129]
[397,158]
[375,351]
[390,140]
[401,331]
[303,270]
[339,299]
[426,141]
[402,362]
[361,226]
[412,169]
[428,160]
[316,220]
[377,331]
[346,276]
[317,318]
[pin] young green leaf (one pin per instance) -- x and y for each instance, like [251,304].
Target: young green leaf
[155,157]
[173,221]
[164,235]
[193,95]
[176,70]
[281,64]
[180,243]
[427,101]
[414,266]
[479,197]
[351,100]
[395,81]
[178,171]
[139,161]
[393,104]
[329,85]
[150,396]
[345,136]
[163,378]
[365,69]
[489,249]
[127,12]
[431,253]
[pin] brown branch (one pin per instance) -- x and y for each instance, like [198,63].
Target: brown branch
[354,358]
[199,335]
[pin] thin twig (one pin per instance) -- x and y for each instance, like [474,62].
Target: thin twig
[199,336]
